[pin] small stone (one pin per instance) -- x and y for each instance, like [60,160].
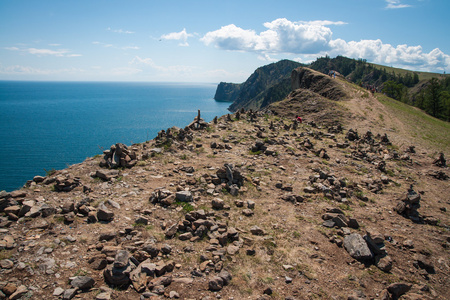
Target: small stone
[21,290]
[6,264]
[398,289]
[121,259]
[173,295]
[215,284]
[69,294]
[83,282]
[103,296]
[384,263]
[58,291]
[255,230]
[217,203]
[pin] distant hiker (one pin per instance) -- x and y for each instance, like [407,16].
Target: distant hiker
[298,119]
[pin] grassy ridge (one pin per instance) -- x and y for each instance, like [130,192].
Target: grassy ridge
[427,129]
[422,75]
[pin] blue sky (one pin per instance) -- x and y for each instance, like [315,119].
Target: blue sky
[212,41]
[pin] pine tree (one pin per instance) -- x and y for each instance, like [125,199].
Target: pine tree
[433,99]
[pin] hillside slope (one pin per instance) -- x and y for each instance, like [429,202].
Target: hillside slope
[251,206]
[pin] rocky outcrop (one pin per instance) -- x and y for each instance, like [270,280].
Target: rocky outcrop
[325,86]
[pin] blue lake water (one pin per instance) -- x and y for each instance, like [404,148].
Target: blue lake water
[50,125]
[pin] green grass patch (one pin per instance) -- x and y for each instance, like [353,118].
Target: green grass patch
[428,130]
[187,207]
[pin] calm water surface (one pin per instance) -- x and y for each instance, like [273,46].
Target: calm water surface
[50,125]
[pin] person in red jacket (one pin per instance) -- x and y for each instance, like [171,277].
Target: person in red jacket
[299,119]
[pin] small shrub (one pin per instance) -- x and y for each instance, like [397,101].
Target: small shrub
[49,173]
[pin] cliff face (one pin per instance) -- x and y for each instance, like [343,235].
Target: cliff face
[266,85]
[227,91]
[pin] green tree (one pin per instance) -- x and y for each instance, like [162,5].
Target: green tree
[433,97]
[394,90]
[445,98]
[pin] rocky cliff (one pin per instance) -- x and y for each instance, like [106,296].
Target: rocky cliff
[266,85]
[227,91]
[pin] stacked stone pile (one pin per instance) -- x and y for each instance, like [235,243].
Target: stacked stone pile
[119,155]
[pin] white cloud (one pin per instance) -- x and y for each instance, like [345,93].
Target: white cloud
[181,36]
[314,38]
[25,70]
[120,31]
[44,52]
[131,48]
[394,4]
[401,56]
[175,70]
[282,36]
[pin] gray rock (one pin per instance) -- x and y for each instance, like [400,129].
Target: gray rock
[103,296]
[26,207]
[121,259]
[141,221]
[357,247]
[217,203]
[58,291]
[47,265]
[21,290]
[47,210]
[184,196]
[107,174]
[104,214]
[255,230]
[6,264]
[172,230]
[384,263]
[232,249]
[113,203]
[328,224]
[107,236]
[226,277]
[69,294]
[174,294]
[399,288]
[185,236]
[215,283]
[82,282]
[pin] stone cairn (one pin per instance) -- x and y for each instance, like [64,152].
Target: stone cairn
[440,161]
[118,156]
[408,206]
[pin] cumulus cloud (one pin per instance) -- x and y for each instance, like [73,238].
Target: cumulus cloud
[314,38]
[281,36]
[401,55]
[395,4]
[181,36]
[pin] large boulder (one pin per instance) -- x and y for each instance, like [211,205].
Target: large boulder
[357,247]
